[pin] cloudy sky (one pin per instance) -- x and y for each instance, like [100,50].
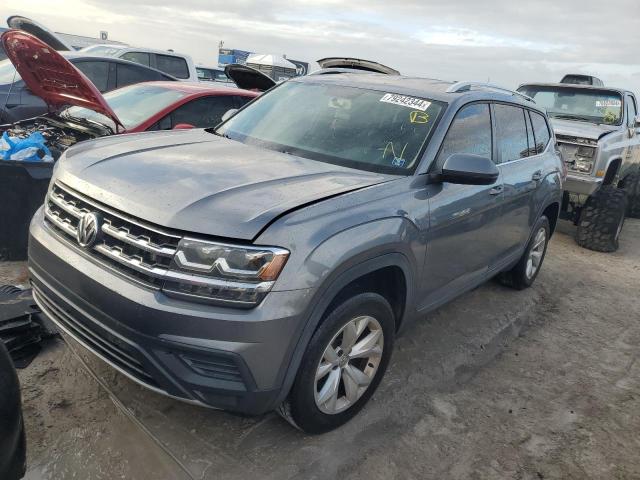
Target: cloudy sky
[506,41]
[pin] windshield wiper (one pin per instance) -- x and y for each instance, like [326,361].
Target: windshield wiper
[216,132]
[579,118]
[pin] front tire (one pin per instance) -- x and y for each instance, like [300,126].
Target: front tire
[601,219]
[343,365]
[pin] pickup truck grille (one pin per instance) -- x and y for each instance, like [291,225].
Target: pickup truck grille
[130,247]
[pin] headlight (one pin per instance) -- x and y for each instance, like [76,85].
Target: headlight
[222,273]
[581,164]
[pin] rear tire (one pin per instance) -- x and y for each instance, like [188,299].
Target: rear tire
[305,406]
[601,219]
[524,273]
[632,187]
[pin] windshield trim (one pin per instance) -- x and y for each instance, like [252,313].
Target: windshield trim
[339,161]
[586,89]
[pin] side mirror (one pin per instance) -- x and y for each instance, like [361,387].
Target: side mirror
[228,114]
[183,126]
[467,169]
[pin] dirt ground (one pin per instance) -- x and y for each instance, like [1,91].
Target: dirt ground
[538,384]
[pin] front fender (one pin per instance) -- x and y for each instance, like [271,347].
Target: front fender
[334,283]
[315,260]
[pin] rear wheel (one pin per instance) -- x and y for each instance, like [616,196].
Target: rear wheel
[344,363]
[632,187]
[601,219]
[524,273]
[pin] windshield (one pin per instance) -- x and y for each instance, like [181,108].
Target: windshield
[352,127]
[133,104]
[8,73]
[571,103]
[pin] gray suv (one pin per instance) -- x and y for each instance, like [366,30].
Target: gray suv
[268,263]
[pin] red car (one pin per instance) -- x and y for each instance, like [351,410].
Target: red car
[135,108]
[78,111]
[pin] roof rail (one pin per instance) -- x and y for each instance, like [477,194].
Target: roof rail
[467,86]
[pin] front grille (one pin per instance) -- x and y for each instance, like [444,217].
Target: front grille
[137,250]
[107,346]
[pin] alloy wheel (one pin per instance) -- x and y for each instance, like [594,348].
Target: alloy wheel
[536,252]
[348,365]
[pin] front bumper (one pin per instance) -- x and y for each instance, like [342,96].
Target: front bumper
[581,184]
[215,356]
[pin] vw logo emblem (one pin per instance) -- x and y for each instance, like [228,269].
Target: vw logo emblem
[88,229]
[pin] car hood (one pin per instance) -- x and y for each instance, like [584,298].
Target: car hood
[195,181]
[356,64]
[248,78]
[43,33]
[574,128]
[52,77]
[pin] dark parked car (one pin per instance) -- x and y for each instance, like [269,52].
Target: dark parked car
[269,262]
[18,102]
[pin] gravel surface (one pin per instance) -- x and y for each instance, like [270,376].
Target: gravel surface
[543,383]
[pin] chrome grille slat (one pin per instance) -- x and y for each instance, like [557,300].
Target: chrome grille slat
[58,222]
[66,206]
[146,245]
[132,248]
[130,262]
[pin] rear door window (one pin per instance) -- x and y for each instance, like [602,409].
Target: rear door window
[540,131]
[143,58]
[470,132]
[511,133]
[175,66]
[97,72]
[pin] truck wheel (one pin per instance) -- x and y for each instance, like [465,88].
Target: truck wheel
[524,273]
[343,365]
[632,187]
[601,219]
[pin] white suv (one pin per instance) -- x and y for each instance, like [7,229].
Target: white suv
[177,65]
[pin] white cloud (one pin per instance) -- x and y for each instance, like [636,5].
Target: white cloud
[506,41]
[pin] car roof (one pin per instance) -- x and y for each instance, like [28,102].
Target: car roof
[195,88]
[572,85]
[431,88]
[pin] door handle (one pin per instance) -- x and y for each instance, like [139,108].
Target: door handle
[537,176]
[497,190]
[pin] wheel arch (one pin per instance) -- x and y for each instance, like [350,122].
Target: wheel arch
[330,293]
[612,170]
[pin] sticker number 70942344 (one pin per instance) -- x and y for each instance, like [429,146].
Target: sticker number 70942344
[405,101]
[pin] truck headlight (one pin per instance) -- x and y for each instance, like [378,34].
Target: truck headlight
[223,273]
[584,165]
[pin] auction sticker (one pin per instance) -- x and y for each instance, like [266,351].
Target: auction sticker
[610,102]
[405,101]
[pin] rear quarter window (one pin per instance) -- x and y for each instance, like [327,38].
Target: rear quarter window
[540,131]
[175,66]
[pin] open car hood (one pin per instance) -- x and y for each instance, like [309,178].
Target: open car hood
[52,77]
[37,30]
[356,64]
[248,78]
